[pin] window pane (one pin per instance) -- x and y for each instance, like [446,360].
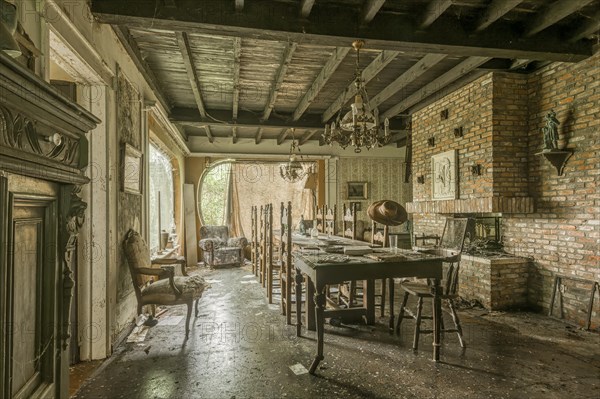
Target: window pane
[214,191]
[161,181]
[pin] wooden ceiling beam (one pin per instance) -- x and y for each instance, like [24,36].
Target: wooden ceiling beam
[286,58]
[434,86]
[237,51]
[307,136]
[419,68]
[587,28]
[330,67]
[371,9]
[434,10]
[258,137]
[282,136]
[306,7]
[372,70]
[134,53]
[496,10]
[211,138]
[186,52]
[327,28]
[553,13]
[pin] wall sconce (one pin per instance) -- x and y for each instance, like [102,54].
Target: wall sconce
[431,141]
[458,132]
[444,114]
[476,170]
[421,179]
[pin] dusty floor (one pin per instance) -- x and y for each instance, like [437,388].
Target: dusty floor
[240,348]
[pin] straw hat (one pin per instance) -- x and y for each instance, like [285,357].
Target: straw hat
[387,212]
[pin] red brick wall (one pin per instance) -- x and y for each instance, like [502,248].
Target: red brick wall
[563,236]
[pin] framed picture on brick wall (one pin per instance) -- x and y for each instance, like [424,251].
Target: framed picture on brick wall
[444,175]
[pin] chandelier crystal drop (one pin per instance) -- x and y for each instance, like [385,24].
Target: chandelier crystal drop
[360,126]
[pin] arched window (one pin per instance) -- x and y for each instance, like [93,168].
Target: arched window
[161,189]
[213,194]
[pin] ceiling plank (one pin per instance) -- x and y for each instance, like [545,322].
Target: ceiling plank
[188,61]
[134,53]
[258,137]
[419,68]
[372,70]
[334,61]
[234,136]
[237,51]
[434,10]
[371,9]
[495,11]
[288,53]
[554,12]
[587,28]
[216,117]
[307,136]
[394,32]
[239,5]
[282,136]
[306,7]
[458,71]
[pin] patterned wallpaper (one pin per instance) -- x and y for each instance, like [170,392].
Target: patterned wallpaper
[384,177]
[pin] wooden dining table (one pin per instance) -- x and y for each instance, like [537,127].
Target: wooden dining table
[317,269]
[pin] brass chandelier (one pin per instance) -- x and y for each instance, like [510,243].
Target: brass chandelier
[360,126]
[293,170]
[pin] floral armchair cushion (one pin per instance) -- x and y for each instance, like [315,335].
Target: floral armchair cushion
[220,249]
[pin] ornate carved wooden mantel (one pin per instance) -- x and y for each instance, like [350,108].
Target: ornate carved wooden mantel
[43,157]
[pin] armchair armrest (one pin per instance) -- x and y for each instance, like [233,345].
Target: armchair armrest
[237,242]
[170,271]
[208,244]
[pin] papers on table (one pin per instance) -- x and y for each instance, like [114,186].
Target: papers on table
[358,250]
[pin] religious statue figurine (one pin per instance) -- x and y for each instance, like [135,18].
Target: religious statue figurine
[551,131]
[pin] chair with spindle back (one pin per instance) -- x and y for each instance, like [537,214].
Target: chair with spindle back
[270,266]
[286,274]
[451,245]
[349,221]
[254,248]
[330,219]
[320,219]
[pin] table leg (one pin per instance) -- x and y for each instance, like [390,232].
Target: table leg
[391,297]
[299,280]
[369,300]
[437,318]
[319,310]
[310,305]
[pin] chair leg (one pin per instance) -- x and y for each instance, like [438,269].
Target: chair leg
[270,284]
[383,292]
[187,319]
[351,293]
[196,308]
[456,323]
[139,309]
[401,314]
[418,324]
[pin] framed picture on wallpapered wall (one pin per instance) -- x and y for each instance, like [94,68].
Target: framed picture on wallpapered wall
[357,190]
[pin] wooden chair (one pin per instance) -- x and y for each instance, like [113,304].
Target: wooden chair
[285,255]
[255,242]
[168,289]
[451,245]
[380,237]
[349,222]
[320,219]
[330,219]
[270,267]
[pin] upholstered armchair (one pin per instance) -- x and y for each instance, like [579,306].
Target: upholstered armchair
[160,286]
[220,249]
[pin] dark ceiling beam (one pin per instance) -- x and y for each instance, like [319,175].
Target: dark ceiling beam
[134,53]
[306,7]
[250,119]
[419,68]
[330,67]
[553,13]
[186,52]
[282,136]
[434,10]
[286,58]
[586,28]
[437,84]
[339,26]
[239,5]
[372,70]
[307,136]
[496,10]
[258,137]
[237,51]
[371,9]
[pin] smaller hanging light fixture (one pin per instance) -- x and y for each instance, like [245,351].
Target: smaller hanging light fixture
[292,171]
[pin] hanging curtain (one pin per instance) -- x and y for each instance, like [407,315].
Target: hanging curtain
[235,212]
